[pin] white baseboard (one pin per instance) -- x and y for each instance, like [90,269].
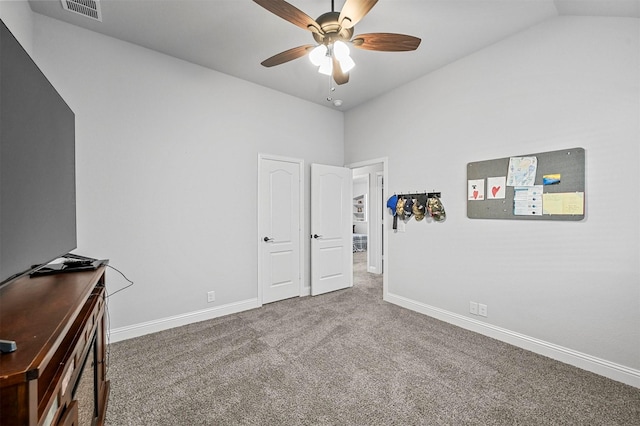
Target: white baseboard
[137,330]
[611,370]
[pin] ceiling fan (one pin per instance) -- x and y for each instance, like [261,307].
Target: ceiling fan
[333,32]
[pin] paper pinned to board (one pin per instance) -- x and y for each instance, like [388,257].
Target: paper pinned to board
[522,171]
[475,189]
[551,179]
[527,200]
[496,187]
[570,203]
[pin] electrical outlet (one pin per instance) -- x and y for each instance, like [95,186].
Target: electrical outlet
[473,308]
[211,296]
[482,310]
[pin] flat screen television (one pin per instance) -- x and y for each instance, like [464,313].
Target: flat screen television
[37,165]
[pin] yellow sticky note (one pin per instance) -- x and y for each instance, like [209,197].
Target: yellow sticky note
[563,203]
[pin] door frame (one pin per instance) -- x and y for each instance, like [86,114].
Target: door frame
[385,223]
[379,222]
[301,214]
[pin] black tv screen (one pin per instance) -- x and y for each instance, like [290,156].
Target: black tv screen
[37,165]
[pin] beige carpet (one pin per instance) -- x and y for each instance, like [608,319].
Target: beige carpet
[348,358]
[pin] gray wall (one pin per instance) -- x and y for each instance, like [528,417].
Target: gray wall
[167,157]
[568,82]
[18,17]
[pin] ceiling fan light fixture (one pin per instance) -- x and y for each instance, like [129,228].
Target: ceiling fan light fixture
[341,52]
[340,49]
[326,67]
[346,64]
[317,54]
[332,32]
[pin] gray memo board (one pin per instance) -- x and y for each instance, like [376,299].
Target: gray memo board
[568,162]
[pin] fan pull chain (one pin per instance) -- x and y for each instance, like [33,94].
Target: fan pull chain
[336,102]
[331,89]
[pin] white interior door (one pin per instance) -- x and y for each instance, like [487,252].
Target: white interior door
[331,228]
[279,228]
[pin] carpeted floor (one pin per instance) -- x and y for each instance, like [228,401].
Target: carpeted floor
[348,358]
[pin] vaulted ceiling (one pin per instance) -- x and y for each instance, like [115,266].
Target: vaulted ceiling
[235,36]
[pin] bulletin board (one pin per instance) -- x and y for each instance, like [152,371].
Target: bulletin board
[555,190]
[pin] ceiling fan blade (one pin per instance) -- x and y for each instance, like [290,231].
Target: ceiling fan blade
[287,55]
[338,76]
[386,42]
[353,11]
[290,13]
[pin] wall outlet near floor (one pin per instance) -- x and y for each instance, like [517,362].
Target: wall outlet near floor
[211,296]
[482,310]
[473,308]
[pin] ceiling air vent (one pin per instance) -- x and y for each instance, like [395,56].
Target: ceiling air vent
[88,8]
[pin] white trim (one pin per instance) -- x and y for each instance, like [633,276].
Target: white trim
[383,160]
[611,370]
[304,288]
[376,221]
[306,291]
[137,330]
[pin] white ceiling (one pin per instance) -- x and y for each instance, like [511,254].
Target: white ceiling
[234,36]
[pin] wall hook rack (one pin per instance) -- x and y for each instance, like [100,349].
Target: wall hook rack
[416,194]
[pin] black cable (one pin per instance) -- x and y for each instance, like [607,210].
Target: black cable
[123,276]
[107,327]
[108,318]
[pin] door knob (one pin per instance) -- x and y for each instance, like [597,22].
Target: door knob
[316,236]
[267,239]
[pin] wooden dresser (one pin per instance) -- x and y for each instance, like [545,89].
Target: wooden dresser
[57,375]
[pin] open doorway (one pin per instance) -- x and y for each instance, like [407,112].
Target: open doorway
[368,215]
